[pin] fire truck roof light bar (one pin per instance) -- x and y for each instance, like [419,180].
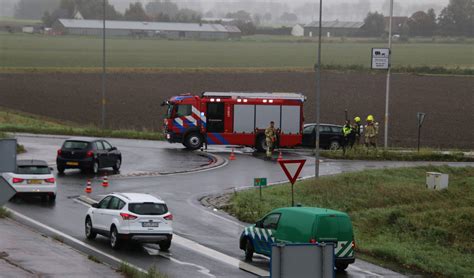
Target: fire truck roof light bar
[249,95]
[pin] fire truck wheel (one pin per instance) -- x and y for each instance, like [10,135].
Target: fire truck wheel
[193,141]
[261,144]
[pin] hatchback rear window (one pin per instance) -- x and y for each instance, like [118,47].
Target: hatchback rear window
[33,170]
[77,145]
[148,208]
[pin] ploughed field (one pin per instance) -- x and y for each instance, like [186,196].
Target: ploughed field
[133,99]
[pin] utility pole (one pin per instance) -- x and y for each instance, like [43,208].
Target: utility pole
[387,91]
[103,102]
[318,92]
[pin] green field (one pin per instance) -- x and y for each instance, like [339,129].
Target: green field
[397,221]
[19,50]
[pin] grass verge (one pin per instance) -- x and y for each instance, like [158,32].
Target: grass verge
[395,217]
[131,272]
[12,121]
[398,155]
[4,213]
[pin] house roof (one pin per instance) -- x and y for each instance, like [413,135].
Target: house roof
[337,24]
[147,26]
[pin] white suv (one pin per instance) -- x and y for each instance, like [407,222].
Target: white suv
[130,216]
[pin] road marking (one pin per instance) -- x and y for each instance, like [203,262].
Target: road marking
[154,251]
[68,237]
[218,256]
[371,274]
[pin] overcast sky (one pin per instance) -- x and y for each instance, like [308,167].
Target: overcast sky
[344,10]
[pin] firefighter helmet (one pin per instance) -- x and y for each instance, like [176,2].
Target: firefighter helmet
[357,119]
[370,118]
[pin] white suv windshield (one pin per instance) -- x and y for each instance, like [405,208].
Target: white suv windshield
[148,208]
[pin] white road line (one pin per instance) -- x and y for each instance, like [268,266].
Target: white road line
[76,241]
[218,256]
[371,274]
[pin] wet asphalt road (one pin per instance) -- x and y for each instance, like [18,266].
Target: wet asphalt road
[212,229]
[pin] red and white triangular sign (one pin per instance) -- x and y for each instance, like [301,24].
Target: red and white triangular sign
[287,162]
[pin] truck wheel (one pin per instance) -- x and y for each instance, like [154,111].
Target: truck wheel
[249,250]
[165,245]
[341,267]
[193,141]
[261,143]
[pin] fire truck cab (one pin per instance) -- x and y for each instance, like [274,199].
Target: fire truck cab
[234,118]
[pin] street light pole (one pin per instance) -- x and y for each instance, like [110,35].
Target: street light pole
[387,91]
[102,124]
[318,92]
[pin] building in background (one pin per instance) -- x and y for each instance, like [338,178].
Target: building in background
[171,30]
[334,28]
[297,30]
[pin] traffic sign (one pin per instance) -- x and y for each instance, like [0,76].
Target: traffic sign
[421,117]
[8,157]
[260,182]
[292,177]
[380,58]
[6,191]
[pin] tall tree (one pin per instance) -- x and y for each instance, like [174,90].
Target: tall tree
[135,12]
[27,9]
[160,8]
[374,24]
[288,17]
[457,18]
[422,24]
[240,15]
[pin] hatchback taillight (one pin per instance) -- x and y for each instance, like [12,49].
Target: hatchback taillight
[127,216]
[50,180]
[90,154]
[60,152]
[169,217]
[17,180]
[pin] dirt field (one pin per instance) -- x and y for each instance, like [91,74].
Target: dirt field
[134,99]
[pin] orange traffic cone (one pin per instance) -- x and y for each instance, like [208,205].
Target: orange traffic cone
[280,157]
[105,182]
[232,155]
[88,187]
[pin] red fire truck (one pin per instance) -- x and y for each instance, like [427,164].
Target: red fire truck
[234,118]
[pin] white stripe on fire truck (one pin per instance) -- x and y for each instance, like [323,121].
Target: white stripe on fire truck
[198,114]
[191,119]
[179,121]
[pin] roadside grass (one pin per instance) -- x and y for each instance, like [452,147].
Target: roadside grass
[85,52]
[425,154]
[395,217]
[13,121]
[94,259]
[131,272]
[4,213]
[19,148]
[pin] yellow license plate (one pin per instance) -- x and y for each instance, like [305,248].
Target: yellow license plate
[72,163]
[35,181]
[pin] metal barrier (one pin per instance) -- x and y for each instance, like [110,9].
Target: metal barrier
[302,261]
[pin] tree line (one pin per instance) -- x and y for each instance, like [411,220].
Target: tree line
[157,10]
[456,19]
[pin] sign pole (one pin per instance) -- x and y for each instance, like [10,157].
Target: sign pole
[260,192]
[292,196]
[318,93]
[387,91]
[102,122]
[419,135]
